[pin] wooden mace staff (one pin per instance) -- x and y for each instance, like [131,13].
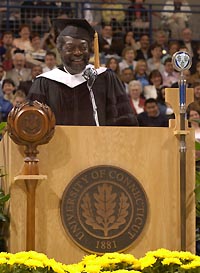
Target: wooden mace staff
[31,124]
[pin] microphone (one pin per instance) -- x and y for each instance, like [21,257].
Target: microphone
[90,74]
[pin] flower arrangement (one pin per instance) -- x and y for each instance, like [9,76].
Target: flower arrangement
[159,261]
[30,261]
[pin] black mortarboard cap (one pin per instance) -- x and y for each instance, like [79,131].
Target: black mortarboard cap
[75,28]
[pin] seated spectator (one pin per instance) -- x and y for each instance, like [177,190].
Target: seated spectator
[169,75]
[18,98]
[36,56]
[144,49]
[174,46]
[23,42]
[152,117]
[113,64]
[137,18]
[198,52]
[156,81]
[19,72]
[5,107]
[8,88]
[135,91]
[110,46]
[196,76]
[49,62]
[127,75]
[196,86]
[129,40]
[164,107]
[26,85]
[176,14]
[188,42]
[128,59]
[2,78]
[193,115]
[6,50]
[155,61]
[113,14]
[161,38]
[141,74]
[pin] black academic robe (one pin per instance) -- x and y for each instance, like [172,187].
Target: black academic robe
[72,105]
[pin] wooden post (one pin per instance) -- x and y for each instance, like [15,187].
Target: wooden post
[30,213]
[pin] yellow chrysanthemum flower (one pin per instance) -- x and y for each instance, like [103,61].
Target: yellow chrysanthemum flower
[184,255]
[88,258]
[74,268]
[90,268]
[37,256]
[57,267]
[168,261]
[192,265]
[33,263]
[147,261]
[160,253]
[5,255]
[3,260]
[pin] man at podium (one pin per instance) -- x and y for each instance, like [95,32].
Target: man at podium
[76,92]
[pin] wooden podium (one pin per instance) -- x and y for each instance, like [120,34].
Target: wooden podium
[149,154]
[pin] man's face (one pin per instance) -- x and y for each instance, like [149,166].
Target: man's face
[107,32]
[187,35]
[7,39]
[169,67]
[36,70]
[156,52]
[19,61]
[161,39]
[152,109]
[144,41]
[197,92]
[74,54]
[127,75]
[50,61]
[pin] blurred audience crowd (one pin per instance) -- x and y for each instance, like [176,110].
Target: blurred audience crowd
[142,63]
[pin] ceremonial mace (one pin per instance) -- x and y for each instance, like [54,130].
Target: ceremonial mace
[31,124]
[182,61]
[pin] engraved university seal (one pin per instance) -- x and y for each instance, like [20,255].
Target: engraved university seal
[104,209]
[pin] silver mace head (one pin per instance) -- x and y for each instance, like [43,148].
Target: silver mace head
[181,61]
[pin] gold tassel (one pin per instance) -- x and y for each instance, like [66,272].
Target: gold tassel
[96,51]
